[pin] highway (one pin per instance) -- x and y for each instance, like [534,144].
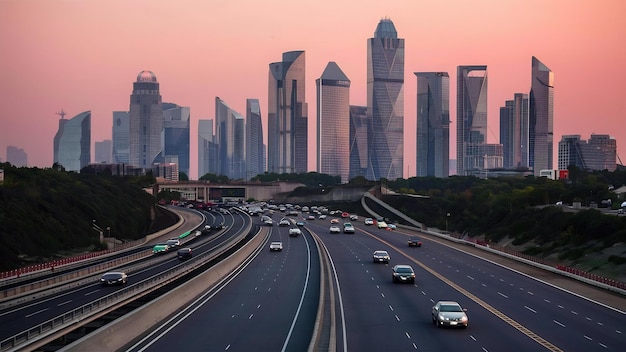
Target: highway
[269,306]
[37,311]
[270,303]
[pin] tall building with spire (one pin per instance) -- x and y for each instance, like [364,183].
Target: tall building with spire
[333,122]
[433,124]
[385,102]
[541,119]
[72,142]
[287,115]
[255,149]
[145,122]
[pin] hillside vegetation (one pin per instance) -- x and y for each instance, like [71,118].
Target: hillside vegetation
[45,212]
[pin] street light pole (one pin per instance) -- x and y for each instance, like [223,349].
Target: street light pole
[447,216]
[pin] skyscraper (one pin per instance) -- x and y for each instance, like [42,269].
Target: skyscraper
[385,102]
[16,156]
[514,131]
[333,122]
[176,135]
[72,142]
[287,131]
[145,122]
[121,139]
[433,124]
[102,152]
[358,141]
[471,118]
[255,149]
[207,149]
[230,139]
[541,119]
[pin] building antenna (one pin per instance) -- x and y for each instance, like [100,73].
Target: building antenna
[62,114]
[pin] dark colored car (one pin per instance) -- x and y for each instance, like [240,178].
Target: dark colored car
[403,273]
[415,242]
[114,278]
[381,257]
[185,253]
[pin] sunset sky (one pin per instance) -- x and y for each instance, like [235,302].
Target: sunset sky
[79,55]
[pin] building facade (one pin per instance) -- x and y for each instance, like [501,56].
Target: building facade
[333,122]
[121,139]
[358,141]
[255,149]
[385,103]
[471,116]
[230,139]
[207,148]
[102,151]
[145,122]
[598,153]
[433,124]
[287,115]
[514,132]
[176,132]
[541,117]
[16,156]
[72,142]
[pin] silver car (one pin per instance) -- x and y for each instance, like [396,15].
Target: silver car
[449,313]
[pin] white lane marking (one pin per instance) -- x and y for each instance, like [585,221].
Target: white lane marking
[407,334]
[472,337]
[414,346]
[558,323]
[382,294]
[37,312]
[259,306]
[469,277]
[603,345]
[530,293]
[588,338]
[530,309]
[251,315]
[398,319]
[227,348]
[64,303]
[503,295]
[91,292]
[573,312]
[390,307]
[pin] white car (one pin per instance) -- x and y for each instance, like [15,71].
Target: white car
[369,221]
[334,229]
[276,246]
[284,222]
[173,242]
[294,232]
[354,217]
[381,257]
[381,224]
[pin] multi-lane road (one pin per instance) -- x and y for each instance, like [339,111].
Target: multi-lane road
[271,304]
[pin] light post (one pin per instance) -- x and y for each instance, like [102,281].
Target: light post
[97,228]
[109,231]
[447,216]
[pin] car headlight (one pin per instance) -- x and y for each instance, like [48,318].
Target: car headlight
[464,319]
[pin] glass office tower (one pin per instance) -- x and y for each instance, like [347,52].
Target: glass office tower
[230,139]
[514,131]
[358,141]
[333,122]
[207,149]
[176,135]
[145,122]
[471,118]
[72,142]
[255,149]
[433,124]
[287,131]
[541,124]
[385,102]
[120,133]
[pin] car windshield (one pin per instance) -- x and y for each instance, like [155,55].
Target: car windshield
[450,308]
[111,276]
[380,253]
[404,270]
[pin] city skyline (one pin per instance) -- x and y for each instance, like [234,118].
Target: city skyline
[59,48]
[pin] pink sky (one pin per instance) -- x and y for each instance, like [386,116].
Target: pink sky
[85,55]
